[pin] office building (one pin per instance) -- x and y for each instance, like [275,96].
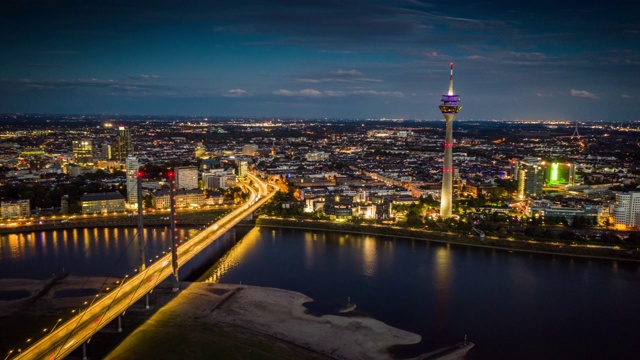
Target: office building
[121,147]
[101,203]
[530,178]
[132,180]
[243,169]
[82,151]
[186,177]
[15,209]
[626,211]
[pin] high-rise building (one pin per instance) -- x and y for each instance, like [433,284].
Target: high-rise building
[530,177]
[186,177]
[122,145]
[243,168]
[132,180]
[107,154]
[449,108]
[82,151]
[626,211]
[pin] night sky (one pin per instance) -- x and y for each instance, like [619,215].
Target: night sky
[571,60]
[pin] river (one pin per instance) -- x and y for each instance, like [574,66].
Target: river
[511,305]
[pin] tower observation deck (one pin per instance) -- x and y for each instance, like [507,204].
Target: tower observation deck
[449,108]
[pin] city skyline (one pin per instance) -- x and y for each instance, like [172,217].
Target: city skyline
[374,59]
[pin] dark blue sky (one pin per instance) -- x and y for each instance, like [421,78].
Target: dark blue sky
[322,58]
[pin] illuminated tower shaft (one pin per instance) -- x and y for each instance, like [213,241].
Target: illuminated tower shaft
[449,109]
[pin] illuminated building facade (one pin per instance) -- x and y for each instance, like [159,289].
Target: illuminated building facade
[530,178]
[561,174]
[15,209]
[82,151]
[243,169]
[449,107]
[100,203]
[183,199]
[626,211]
[186,177]
[122,145]
[132,179]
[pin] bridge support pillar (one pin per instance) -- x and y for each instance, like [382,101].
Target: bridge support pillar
[147,301]
[84,351]
[119,323]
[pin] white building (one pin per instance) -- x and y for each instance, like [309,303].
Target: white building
[16,209]
[186,177]
[626,211]
[132,179]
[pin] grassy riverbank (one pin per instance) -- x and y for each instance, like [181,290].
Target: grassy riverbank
[511,244]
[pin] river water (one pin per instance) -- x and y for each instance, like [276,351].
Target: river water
[511,305]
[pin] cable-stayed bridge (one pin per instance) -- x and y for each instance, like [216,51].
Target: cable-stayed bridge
[73,333]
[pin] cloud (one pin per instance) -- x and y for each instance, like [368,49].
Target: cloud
[626,96]
[584,94]
[235,93]
[381,93]
[346,73]
[142,76]
[305,92]
[350,76]
[335,93]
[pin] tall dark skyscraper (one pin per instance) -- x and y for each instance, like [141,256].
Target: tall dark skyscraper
[449,109]
[122,145]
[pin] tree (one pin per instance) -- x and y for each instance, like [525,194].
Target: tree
[414,219]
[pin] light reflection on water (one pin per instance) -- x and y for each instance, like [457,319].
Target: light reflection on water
[512,305]
[232,258]
[89,251]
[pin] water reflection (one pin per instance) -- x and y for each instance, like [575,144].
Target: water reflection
[443,276]
[89,251]
[370,256]
[233,257]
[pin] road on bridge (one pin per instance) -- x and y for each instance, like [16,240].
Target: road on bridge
[105,308]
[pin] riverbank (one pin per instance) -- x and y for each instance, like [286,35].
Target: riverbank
[208,320]
[529,246]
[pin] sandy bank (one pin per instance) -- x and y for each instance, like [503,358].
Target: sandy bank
[281,314]
[276,315]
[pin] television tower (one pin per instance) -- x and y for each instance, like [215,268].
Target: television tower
[449,109]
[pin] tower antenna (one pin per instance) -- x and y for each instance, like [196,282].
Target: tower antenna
[575,132]
[450,80]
